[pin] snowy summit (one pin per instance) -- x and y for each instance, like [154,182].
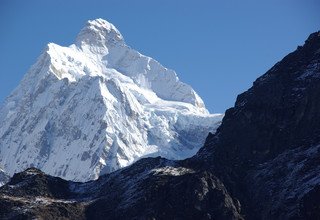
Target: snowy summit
[96,106]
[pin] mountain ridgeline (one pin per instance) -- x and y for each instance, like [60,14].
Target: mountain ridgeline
[263,162]
[99,105]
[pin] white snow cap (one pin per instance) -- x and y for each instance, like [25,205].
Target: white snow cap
[99,37]
[99,32]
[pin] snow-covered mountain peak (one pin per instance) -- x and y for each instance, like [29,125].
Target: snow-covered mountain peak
[100,43]
[96,106]
[99,33]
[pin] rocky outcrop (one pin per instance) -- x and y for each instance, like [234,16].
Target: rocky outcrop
[267,146]
[152,188]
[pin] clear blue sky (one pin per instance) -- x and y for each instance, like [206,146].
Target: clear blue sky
[218,47]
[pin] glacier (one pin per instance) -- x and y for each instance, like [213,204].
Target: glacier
[97,106]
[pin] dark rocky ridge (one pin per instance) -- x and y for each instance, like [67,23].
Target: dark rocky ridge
[262,163]
[273,122]
[152,188]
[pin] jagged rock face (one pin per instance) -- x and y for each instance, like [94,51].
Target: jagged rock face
[280,111]
[96,106]
[288,183]
[168,191]
[32,194]
[267,148]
